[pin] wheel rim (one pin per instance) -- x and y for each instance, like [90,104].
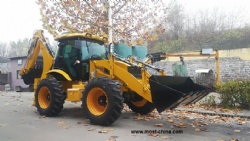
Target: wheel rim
[139,103]
[44,97]
[97,101]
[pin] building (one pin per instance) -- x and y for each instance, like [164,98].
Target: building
[15,65]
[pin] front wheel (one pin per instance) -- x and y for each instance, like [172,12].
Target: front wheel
[49,97]
[139,104]
[102,101]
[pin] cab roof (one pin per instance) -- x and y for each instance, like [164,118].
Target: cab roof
[81,35]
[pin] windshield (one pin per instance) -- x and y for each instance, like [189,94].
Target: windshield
[90,48]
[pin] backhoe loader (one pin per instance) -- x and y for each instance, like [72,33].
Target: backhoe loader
[101,80]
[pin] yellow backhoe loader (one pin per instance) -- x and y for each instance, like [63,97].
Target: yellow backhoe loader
[83,70]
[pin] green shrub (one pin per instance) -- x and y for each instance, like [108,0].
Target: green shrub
[209,101]
[235,94]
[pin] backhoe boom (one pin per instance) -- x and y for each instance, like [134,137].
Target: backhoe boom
[37,45]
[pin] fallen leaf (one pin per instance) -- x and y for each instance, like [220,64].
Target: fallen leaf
[43,116]
[241,122]
[126,108]
[164,137]
[237,131]
[237,110]
[153,134]
[182,117]
[79,122]
[90,129]
[224,110]
[138,118]
[110,129]
[197,130]
[103,131]
[110,139]
[158,124]
[180,125]
[170,120]
[233,139]
[151,114]
[200,123]
[204,129]
[67,127]
[62,124]
[224,118]
[141,118]
[193,126]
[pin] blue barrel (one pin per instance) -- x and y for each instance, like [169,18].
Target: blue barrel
[140,51]
[123,50]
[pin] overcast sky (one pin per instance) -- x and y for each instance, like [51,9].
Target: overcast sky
[19,18]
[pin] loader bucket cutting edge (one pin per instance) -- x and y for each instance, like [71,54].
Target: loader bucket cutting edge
[170,91]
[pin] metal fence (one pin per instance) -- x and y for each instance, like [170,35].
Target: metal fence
[4,79]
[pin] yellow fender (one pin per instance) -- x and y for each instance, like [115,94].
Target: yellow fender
[64,74]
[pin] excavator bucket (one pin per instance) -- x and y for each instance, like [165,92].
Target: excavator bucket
[170,91]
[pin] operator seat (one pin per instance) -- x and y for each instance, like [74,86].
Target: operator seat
[69,60]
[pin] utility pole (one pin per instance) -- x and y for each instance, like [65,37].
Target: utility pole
[110,25]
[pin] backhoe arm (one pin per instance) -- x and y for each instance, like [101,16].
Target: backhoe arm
[38,44]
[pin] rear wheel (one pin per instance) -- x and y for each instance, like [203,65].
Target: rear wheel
[49,97]
[140,105]
[102,101]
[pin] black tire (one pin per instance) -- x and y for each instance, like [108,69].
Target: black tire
[140,105]
[49,97]
[102,101]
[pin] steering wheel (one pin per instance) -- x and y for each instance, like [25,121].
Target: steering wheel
[129,56]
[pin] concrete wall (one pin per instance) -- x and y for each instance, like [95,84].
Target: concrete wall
[243,53]
[234,64]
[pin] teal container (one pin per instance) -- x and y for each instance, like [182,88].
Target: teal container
[123,50]
[179,70]
[140,51]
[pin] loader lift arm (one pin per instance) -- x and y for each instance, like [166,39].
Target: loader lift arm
[161,90]
[37,45]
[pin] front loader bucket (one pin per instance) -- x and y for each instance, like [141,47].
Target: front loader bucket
[170,91]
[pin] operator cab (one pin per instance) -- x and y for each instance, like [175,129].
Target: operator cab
[82,49]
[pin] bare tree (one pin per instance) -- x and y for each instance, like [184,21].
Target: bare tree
[175,18]
[4,49]
[19,48]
